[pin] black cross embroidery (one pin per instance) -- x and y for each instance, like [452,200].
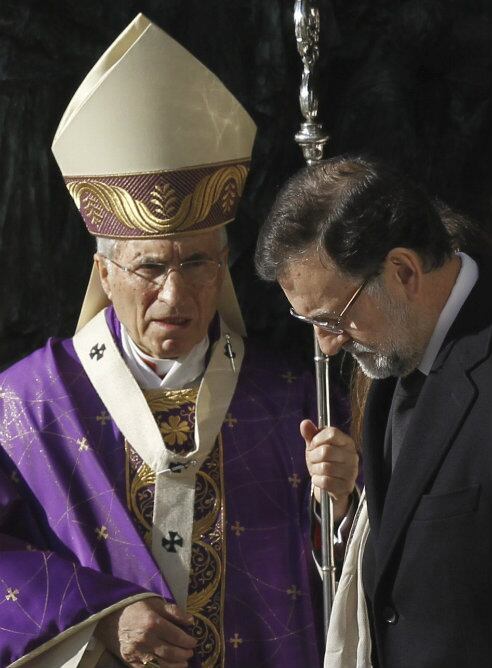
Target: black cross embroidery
[97,351]
[174,539]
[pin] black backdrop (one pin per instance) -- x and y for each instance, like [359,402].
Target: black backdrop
[406,81]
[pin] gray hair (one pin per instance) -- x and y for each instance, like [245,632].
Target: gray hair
[223,237]
[107,246]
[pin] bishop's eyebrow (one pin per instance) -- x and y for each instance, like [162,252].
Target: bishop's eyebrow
[149,259]
[155,259]
[197,255]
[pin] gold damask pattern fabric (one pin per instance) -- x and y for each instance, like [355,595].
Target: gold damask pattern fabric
[174,411]
[160,203]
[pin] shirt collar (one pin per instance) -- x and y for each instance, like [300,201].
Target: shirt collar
[467,278]
[182,372]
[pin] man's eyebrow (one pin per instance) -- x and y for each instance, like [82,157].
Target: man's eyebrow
[323,316]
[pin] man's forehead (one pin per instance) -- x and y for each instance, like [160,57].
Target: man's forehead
[313,284]
[310,267]
[167,246]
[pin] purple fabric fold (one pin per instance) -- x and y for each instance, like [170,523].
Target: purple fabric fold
[70,547]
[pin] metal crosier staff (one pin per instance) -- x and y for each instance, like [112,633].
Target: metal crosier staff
[312,139]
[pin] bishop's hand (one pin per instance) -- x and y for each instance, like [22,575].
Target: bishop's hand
[148,631]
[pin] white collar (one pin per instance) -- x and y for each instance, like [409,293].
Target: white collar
[182,372]
[467,278]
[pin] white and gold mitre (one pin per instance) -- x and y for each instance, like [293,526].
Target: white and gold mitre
[152,143]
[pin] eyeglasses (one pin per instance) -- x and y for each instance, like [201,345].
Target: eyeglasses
[333,324]
[196,273]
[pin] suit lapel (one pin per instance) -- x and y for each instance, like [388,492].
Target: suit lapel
[444,401]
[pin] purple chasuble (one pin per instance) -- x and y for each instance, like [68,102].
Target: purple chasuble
[71,546]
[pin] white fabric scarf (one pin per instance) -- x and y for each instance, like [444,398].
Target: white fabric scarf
[179,373]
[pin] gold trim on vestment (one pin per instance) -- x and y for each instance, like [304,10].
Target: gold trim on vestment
[140,485]
[206,593]
[224,547]
[206,602]
[165,400]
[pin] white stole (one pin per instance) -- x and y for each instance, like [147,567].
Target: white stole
[174,491]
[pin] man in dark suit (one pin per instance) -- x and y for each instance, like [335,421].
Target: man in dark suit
[363,255]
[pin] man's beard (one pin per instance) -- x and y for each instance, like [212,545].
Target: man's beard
[399,353]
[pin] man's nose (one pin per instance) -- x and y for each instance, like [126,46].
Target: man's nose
[330,344]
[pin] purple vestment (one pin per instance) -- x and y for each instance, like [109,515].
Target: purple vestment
[70,546]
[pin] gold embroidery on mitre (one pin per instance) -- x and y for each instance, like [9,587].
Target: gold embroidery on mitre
[135,214]
[165,200]
[229,197]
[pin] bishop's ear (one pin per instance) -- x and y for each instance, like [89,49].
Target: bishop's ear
[101,263]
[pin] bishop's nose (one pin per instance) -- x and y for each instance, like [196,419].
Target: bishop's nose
[174,289]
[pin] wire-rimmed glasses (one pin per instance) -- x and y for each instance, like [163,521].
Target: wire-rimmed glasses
[195,272]
[333,324]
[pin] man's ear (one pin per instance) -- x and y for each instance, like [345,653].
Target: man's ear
[405,271]
[102,267]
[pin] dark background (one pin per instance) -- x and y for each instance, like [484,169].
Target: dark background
[409,82]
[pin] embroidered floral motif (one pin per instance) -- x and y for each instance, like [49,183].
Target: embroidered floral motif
[174,430]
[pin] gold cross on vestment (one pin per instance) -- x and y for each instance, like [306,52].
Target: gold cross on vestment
[103,417]
[293,592]
[294,480]
[102,532]
[11,594]
[237,528]
[229,420]
[289,377]
[236,641]
[83,444]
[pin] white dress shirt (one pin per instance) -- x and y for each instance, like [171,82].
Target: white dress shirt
[467,278]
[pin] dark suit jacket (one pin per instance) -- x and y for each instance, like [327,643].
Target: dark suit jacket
[432,531]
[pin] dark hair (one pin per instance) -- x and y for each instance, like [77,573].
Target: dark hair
[355,211]
[465,232]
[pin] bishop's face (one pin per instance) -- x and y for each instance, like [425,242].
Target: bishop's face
[378,330]
[168,316]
